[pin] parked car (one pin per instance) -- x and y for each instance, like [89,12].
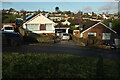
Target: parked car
[8,28]
[10,38]
[65,36]
[109,43]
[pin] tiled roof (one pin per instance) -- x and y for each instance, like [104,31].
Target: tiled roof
[88,24]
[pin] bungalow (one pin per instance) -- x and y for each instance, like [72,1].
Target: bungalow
[39,24]
[98,30]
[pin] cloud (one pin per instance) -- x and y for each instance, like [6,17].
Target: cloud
[109,6]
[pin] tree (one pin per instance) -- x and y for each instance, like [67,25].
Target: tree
[94,14]
[23,14]
[115,24]
[67,12]
[80,12]
[72,27]
[57,9]
[11,10]
[9,18]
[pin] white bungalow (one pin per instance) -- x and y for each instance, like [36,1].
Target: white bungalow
[39,24]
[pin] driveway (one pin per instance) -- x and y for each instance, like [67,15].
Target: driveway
[65,47]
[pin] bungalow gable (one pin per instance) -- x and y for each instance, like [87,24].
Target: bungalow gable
[39,24]
[99,30]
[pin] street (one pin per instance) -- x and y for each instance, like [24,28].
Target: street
[65,47]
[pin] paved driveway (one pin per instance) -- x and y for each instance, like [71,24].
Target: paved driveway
[65,47]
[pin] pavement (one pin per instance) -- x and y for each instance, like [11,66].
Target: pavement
[65,47]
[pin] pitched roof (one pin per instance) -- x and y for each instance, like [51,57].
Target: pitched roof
[39,19]
[88,24]
[97,24]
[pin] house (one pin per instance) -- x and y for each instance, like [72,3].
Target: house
[98,30]
[39,24]
[56,18]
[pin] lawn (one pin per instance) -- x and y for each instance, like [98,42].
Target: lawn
[33,65]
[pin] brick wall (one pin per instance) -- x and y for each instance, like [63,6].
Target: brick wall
[99,29]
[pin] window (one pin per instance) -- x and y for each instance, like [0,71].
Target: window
[106,36]
[33,27]
[49,27]
[91,34]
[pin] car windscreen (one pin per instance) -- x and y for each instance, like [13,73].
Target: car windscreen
[8,28]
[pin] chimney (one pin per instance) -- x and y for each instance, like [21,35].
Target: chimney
[110,24]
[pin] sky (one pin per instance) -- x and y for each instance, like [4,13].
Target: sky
[98,7]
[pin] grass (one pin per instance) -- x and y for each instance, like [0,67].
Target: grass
[33,65]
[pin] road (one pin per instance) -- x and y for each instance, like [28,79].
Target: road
[65,47]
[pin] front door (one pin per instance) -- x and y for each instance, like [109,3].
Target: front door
[42,27]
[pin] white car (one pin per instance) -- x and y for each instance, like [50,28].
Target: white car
[65,36]
[8,28]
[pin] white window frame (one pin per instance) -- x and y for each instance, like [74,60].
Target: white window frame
[34,25]
[106,36]
[92,33]
[51,29]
